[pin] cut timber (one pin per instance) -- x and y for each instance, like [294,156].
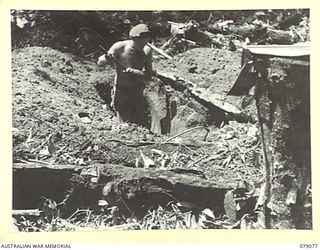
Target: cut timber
[118,172]
[199,94]
[137,189]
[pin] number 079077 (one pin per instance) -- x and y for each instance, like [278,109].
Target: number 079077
[308,246]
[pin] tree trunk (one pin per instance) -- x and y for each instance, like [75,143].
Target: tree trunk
[283,102]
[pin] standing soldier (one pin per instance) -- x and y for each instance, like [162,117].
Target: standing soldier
[133,69]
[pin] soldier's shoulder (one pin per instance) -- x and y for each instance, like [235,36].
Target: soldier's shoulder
[120,44]
[147,50]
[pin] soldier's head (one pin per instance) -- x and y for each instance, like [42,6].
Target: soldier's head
[140,34]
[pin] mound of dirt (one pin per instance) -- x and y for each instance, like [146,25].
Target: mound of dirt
[213,69]
[56,99]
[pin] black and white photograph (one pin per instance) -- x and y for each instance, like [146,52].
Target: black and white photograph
[160,120]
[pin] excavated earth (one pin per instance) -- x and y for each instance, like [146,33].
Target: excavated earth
[61,116]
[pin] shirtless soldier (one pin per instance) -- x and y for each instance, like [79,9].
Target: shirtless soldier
[136,57]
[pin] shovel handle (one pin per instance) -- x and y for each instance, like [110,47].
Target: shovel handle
[160,51]
[116,61]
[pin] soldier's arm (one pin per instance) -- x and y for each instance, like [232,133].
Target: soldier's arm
[115,49]
[112,52]
[148,65]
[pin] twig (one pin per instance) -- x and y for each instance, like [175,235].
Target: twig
[189,41]
[77,211]
[88,218]
[44,143]
[61,149]
[92,53]
[124,226]
[147,143]
[131,143]
[35,161]
[210,17]
[197,161]
[132,214]
[206,135]
[184,132]
[187,147]
[215,156]
[170,195]
[244,163]
[267,165]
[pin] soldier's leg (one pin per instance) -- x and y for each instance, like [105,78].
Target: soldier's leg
[139,110]
[123,107]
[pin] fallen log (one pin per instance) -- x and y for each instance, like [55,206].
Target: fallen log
[244,30]
[257,34]
[274,36]
[135,189]
[119,173]
[200,94]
